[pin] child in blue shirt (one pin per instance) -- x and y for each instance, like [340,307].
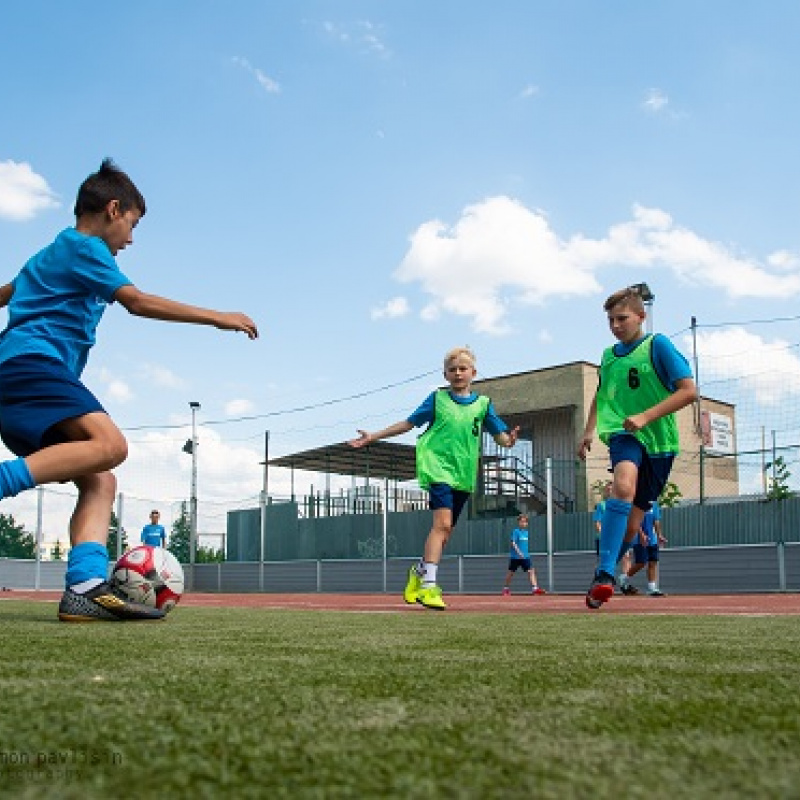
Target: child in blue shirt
[520,557]
[48,418]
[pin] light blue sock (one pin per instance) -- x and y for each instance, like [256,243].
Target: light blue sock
[86,561]
[612,533]
[15,477]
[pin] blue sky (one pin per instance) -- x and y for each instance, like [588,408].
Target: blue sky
[376,182]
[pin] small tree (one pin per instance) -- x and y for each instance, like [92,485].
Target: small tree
[597,490]
[670,495]
[15,542]
[779,480]
[180,538]
[57,552]
[209,555]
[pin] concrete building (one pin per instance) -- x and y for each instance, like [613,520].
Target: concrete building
[550,407]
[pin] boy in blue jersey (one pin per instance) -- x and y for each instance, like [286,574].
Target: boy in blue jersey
[597,516]
[447,461]
[520,557]
[643,382]
[646,549]
[48,418]
[154,534]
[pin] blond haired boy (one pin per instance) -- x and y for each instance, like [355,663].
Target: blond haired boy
[447,461]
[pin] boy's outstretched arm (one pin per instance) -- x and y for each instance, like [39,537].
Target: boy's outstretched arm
[5,294]
[365,438]
[507,438]
[585,444]
[154,307]
[684,394]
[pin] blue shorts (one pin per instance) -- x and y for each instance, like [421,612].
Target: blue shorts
[645,553]
[653,472]
[440,495]
[36,393]
[515,563]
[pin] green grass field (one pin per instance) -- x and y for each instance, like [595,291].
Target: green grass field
[261,703]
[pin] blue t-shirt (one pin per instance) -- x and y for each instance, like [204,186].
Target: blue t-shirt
[58,300]
[153,535]
[669,364]
[648,524]
[424,415]
[597,514]
[519,537]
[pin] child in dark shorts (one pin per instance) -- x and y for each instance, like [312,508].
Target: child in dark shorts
[48,418]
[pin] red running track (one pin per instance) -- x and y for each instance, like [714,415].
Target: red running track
[743,604]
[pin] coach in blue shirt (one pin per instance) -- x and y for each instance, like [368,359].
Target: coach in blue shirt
[154,534]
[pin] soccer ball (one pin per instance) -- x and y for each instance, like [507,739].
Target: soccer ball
[149,575]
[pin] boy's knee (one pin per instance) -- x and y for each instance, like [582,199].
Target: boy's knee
[115,451]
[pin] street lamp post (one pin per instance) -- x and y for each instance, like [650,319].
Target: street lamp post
[193,498]
[647,298]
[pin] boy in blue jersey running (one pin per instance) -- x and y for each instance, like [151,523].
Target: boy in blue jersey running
[646,551]
[48,418]
[643,382]
[520,557]
[154,533]
[447,461]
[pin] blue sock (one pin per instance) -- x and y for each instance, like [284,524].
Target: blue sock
[86,561]
[15,477]
[612,533]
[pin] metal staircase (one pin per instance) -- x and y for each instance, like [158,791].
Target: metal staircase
[508,482]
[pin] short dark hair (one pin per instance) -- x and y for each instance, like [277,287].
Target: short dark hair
[107,184]
[630,297]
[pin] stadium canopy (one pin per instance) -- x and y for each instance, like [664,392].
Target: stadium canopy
[388,460]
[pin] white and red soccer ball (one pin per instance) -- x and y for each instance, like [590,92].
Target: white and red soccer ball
[149,575]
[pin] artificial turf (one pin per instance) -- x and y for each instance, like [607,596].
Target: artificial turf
[320,704]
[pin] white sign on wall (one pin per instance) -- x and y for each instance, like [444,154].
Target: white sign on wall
[717,433]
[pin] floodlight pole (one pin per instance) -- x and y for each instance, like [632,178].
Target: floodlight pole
[193,497]
[647,298]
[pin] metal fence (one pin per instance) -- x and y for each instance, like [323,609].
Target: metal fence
[734,569]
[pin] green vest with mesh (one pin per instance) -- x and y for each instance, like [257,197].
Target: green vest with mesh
[448,451]
[629,385]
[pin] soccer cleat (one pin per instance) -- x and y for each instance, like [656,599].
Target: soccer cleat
[538,590]
[600,590]
[655,593]
[431,597]
[629,589]
[506,590]
[103,604]
[413,585]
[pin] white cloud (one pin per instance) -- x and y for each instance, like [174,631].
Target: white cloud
[784,260]
[268,84]
[237,407]
[545,337]
[499,252]
[113,388]
[396,307]
[160,376]
[363,35]
[530,90]
[120,391]
[497,245]
[768,369]
[22,192]
[655,101]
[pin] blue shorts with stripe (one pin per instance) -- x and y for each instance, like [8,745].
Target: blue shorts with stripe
[653,470]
